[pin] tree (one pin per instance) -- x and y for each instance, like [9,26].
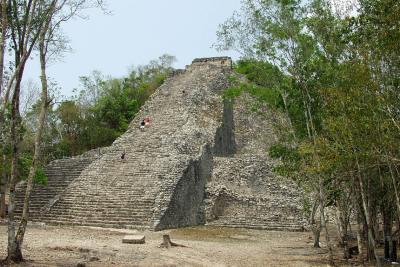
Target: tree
[278,35]
[341,98]
[25,26]
[31,22]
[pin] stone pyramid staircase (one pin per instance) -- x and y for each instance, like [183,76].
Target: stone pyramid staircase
[201,161]
[61,172]
[160,182]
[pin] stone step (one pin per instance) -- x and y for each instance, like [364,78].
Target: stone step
[271,227]
[91,216]
[60,209]
[102,224]
[105,217]
[254,221]
[44,194]
[101,209]
[94,200]
[60,174]
[105,205]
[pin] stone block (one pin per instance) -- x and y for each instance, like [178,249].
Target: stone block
[134,239]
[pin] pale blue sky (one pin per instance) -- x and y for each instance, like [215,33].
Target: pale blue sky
[138,31]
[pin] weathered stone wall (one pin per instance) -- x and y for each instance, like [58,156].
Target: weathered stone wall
[255,129]
[217,61]
[186,207]
[225,136]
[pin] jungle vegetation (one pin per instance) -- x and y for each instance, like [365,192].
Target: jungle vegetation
[333,67]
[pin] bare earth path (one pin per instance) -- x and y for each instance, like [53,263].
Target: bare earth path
[206,246]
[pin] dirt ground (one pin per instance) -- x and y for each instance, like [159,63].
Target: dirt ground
[205,246]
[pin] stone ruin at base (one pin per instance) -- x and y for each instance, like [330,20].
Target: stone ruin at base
[202,161]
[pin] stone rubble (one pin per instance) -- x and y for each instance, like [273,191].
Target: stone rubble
[244,191]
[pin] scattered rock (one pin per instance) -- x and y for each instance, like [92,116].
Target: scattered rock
[134,239]
[94,258]
[84,250]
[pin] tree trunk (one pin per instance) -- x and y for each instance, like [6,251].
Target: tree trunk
[284,96]
[38,139]
[323,222]
[342,225]
[387,231]
[393,254]
[3,178]
[396,193]
[316,234]
[359,222]
[371,239]
[360,243]
[24,37]
[312,134]
[14,248]
[339,227]
[4,26]
[167,243]
[315,226]
[3,186]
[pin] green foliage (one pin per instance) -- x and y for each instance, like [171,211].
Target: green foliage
[264,81]
[233,92]
[24,165]
[281,151]
[261,73]
[40,177]
[290,158]
[337,80]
